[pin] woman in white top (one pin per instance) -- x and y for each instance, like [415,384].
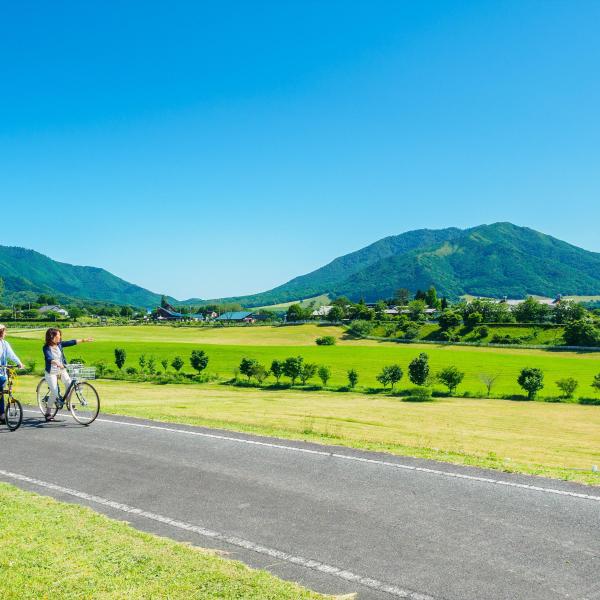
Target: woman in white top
[6,354]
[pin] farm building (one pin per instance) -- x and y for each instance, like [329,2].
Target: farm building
[53,308]
[165,314]
[238,316]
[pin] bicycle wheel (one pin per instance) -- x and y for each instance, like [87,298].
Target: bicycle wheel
[13,414]
[43,394]
[84,403]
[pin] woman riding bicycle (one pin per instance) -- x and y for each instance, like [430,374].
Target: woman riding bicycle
[55,363]
[6,354]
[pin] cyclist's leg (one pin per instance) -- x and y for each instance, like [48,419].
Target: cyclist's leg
[52,382]
[2,382]
[66,379]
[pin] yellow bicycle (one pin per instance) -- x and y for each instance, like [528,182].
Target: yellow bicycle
[13,411]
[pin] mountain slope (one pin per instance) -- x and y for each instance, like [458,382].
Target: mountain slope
[26,272]
[495,260]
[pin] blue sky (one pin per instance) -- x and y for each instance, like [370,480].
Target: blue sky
[212,149]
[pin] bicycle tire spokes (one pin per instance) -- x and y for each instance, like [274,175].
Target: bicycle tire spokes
[84,403]
[13,414]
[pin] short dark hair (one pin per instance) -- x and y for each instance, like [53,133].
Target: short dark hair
[50,334]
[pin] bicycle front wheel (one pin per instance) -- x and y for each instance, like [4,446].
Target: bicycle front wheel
[43,395]
[13,414]
[84,403]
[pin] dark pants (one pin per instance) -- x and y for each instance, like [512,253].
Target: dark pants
[2,382]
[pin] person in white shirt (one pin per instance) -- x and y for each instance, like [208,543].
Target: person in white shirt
[6,354]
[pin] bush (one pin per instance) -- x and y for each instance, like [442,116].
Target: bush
[590,401]
[420,394]
[326,340]
[567,386]
[482,332]
[411,332]
[449,336]
[532,381]
[360,328]
[131,371]
[505,339]
[176,363]
[581,333]
[449,319]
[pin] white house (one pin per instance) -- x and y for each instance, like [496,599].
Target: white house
[53,308]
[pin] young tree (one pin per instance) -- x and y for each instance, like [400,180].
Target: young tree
[418,369]
[567,386]
[416,310]
[431,298]
[336,314]
[292,367]
[261,373]
[199,360]
[277,369]
[177,363]
[309,370]
[165,364]
[324,374]
[390,374]
[142,362]
[248,367]
[451,377]
[352,378]
[120,357]
[531,380]
[151,365]
[596,382]
[402,296]
[488,379]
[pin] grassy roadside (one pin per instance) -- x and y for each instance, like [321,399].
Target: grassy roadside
[51,549]
[553,440]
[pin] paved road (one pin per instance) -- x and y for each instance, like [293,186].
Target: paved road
[334,519]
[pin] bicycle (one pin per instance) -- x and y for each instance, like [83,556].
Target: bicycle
[80,397]
[13,411]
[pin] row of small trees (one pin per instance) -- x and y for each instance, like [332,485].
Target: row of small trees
[147,364]
[531,379]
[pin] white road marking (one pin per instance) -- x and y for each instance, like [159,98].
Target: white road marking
[373,461]
[315,565]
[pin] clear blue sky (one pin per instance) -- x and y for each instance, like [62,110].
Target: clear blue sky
[210,149]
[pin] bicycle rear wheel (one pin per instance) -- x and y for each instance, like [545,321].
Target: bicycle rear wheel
[13,414]
[84,403]
[43,395]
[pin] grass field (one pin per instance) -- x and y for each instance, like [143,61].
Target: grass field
[555,440]
[227,346]
[50,549]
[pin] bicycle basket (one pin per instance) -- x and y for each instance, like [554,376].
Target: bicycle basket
[78,371]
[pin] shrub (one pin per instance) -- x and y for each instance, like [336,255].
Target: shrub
[581,333]
[324,374]
[389,330]
[567,386]
[100,368]
[449,319]
[590,401]
[131,371]
[142,362]
[531,380]
[411,332]
[120,357]
[30,366]
[505,339]
[483,332]
[352,378]
[326,340]
[360,328]
[451,377]
[420,394]
[165,364]
[449,336]
[77,360]
[151,365]
[473,319]
[199,360]
[418,369]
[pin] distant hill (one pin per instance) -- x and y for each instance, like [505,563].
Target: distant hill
[27,273]
[495,260]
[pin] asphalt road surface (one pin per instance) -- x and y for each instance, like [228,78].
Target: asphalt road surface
[334,519]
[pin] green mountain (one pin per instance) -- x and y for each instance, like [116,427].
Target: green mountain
[27,273]
[495,260]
